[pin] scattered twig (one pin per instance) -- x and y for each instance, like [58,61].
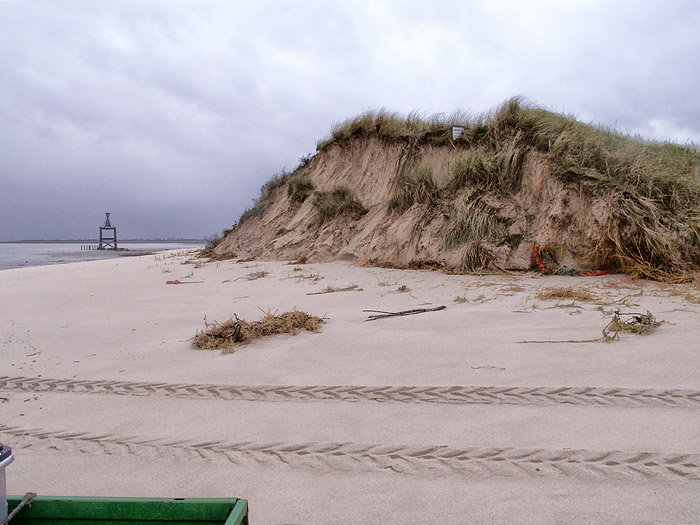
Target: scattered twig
[177,281]
[330,289]
[379,314]
[253,276]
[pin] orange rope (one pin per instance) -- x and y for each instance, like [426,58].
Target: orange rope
[548,265]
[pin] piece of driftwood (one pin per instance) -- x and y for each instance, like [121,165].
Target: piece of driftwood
[379,314]
[178,281]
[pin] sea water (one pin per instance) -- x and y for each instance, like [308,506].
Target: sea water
[21,255]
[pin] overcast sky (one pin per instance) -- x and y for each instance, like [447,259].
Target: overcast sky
[171,114]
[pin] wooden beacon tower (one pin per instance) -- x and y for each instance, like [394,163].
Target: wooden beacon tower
[108,236]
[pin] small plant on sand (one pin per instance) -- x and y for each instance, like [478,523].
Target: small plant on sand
[634,323]
[299,188]
[339,201]
[414,185]
[226,336]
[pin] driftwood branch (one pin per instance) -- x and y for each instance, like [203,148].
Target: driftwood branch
[379,314]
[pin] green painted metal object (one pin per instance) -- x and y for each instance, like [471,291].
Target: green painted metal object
[50,510]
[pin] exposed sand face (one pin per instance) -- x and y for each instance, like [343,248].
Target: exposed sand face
[439,417]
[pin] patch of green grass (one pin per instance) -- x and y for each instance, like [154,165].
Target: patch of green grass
[339,201]
[414,185]
[299,188]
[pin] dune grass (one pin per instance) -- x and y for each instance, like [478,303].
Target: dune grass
[339,201]
[299,188]
[414,184]
[473,221]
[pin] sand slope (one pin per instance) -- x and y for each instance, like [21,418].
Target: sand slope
[442,417]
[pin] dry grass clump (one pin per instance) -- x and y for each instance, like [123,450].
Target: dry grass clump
[476,256]
[299,188]
[566,293]
[339,201]
[414,184]
[237,331]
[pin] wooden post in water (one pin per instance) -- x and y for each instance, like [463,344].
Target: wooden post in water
[108,236]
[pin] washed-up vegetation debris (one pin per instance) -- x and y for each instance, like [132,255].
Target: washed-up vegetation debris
[236,331]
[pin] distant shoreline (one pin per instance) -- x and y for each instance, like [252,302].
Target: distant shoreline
[120,241]
[40,253]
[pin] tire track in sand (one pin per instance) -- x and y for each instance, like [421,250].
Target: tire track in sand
[346,456]
[478,395]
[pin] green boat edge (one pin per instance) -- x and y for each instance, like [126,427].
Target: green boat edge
[117,511]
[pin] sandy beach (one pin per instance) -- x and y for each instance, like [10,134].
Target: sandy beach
[441,417]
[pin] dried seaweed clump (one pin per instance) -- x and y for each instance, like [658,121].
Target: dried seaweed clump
[237,331]
[566,293]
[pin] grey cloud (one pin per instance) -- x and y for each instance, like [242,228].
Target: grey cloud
[173,113]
